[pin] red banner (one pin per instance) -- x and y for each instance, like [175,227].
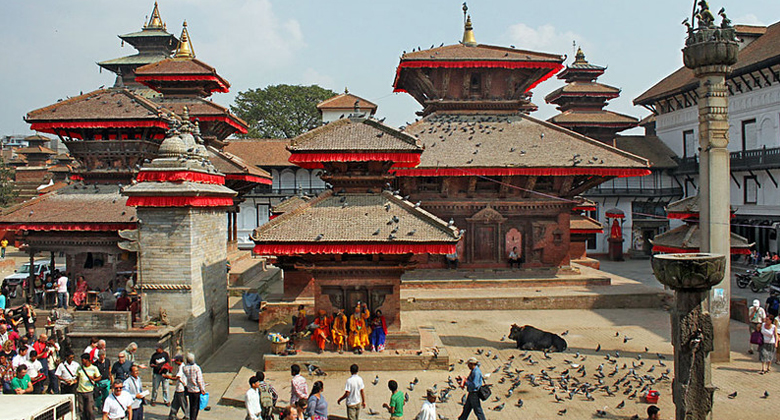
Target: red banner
[248,178]
[616,172]
[179,201]
[84,227]
[180,176]
[353,248]
[314,160]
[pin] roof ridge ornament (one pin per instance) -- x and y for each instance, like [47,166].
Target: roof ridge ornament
[184,50]
[468,29]
[155,22]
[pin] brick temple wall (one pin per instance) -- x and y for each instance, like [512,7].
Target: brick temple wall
[187,246]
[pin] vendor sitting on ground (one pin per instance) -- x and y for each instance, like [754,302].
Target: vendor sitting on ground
[514,258]
[321,333]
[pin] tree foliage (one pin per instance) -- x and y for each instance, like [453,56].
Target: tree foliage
[8,192]
[280,111]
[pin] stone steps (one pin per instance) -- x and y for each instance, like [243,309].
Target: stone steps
[244,270]
[263,283]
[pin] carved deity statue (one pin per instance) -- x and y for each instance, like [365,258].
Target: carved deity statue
[704,16]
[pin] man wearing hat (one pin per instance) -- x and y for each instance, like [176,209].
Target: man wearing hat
[756,315]
[428,410]
[472,384]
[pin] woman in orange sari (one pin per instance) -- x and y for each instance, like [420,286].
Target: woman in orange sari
[358,330]
[80,297]
[339,330]
[322,331]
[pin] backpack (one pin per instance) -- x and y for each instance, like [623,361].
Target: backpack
[266,399]
[774,306]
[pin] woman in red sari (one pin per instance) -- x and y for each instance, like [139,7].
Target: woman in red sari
[322,330]
[80,297]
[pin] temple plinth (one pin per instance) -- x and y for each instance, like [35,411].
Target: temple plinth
[691,276]
[710,52]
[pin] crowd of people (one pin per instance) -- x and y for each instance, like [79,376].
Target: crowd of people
[37,364]
[764,324]
[361,332]
[755,258]
[261,399]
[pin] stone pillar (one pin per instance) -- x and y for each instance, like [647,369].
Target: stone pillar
[691,276]
[710,52]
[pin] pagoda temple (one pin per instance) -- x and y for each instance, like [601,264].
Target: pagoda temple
[687,238]
[582,101]
[505,177]
[112,133]
[353,242]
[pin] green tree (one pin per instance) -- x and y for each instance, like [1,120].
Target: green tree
[280,111]
[7,191]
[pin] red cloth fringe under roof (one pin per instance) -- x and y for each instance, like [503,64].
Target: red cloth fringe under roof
[353,248]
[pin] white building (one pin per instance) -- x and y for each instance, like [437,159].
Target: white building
[754,132]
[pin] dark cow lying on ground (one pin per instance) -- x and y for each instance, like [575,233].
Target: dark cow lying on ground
[530,338]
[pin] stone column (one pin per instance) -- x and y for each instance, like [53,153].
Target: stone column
[710,52]
[691,276]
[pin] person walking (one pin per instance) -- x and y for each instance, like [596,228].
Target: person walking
[317,408]
[354,394]
[767,350]
[428,410]
[396,406]
[105,382]
[135,387]
[53,361]
[36,373]
[298,387]
[87,375]
[121,369]
[3,246]
[117,405]
[160,364]
[66,373]
[472,383]
[179,400]
[195,385]
[756,315]
[268,396]
[254,411]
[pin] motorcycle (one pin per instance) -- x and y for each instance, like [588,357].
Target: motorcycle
[758,282]
[743,279]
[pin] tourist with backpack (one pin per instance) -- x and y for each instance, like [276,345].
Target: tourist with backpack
[773,304]
[267,396]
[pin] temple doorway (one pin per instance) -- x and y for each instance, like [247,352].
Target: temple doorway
[484,247]
[514,239]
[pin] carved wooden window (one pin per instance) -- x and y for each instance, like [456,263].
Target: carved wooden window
[751,190]
[749,135]
[475,83]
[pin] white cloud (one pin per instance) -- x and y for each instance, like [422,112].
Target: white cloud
[544,38]
[749,19]
[313,77]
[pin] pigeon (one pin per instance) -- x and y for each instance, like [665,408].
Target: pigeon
[406,397]
[621,405]
[601,413]
[617,334]
[562,412]
[499,407]
[375,381]
[626,338]
[634,417]
[411,386]
[733,395]
[372,412]
[565,333]
[503,338]
[598,348]
[519,403]
[766,395]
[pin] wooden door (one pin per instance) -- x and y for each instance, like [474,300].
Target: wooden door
[353,296]
[514,239]
[485,243]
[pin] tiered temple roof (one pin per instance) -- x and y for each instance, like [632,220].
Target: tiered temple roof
[582,101]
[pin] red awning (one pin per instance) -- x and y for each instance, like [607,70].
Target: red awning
[179,201]
[180,176]
[51,127]
[586,231]
[184,78]
[353,248]
[248,178]
[673,250]
[71,227]
[616,172]
[587,207]
[684,216]
[233,123]
[459,64]
[314,160]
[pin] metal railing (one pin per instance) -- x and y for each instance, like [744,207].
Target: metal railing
[743,160]
[642,191]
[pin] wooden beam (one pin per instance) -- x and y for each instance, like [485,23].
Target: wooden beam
[588,184]
[529,186]
[771,177]
[766,78]
[566,186]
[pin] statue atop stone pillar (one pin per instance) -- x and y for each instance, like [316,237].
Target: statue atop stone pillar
[710,51]
[691,276]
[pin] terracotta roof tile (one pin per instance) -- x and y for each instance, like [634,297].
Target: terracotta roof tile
[358,134]
[261,152]
[290,204]
[572,117]
[102,104]
[581,222]
[176,66]
[73,204]
[510,141]
[229,164]
[579,88]
[346,101]
[762,49]
[36,149]
[480,52]
[362,216]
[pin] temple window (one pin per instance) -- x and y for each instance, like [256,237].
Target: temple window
[749,135]
[475,84]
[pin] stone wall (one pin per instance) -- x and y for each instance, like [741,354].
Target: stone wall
[183,270]
[101,321]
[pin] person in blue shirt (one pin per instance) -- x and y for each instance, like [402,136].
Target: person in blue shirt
[472,384]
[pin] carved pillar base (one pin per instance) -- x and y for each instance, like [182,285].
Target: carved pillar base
[692,339]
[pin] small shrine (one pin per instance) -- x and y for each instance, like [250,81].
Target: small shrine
[354,241]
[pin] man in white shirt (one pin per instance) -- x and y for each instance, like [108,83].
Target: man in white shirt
[62,292]
[3,333]
[134,386]
[354,394]
[179,400]
[254,410]
[428,410]
[66,373]
[35,371]
[22,358]
[117,405]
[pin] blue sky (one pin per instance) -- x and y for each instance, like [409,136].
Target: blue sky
[49,47]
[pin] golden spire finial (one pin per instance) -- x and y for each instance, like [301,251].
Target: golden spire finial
[468,34]
[579,58]
[155,22]
[185,49]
